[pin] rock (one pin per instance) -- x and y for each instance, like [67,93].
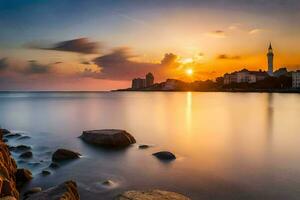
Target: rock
[165,155]
[23,176]
[54,165]
[64,191]
[27,154]
[64,154]
[107,182]
[24,137]
[10,135]
[151,195]
[8,169]
[34,164]
[20,148]
[144,146]
[108,138]
[32,191]
[45,173]
[5,140]
[4,131]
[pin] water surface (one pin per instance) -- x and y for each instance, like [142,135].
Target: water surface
[229,145]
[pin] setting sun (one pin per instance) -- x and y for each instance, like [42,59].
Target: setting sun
[189,72]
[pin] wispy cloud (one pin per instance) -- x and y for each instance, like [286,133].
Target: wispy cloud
[255,31]
[217,34]
[228,57]
[79,45]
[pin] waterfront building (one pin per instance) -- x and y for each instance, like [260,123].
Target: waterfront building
[270,56]
[245,76]
[149,79]
[138,83]
[296,79]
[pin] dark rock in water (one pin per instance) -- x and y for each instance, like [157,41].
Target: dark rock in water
[10,135]
[64,154]
[107,182]
[4,131]
[11,148]
[5,140]
[27,154]
[108,138]
[144,146]
[32,191]
[65,191]
[23,176]
[22,148]
[151,195]
[24,137]
[165,155]
[21,161]
[45,173]
[54,165]
[34,164]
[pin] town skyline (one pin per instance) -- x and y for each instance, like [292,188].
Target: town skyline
[107,48]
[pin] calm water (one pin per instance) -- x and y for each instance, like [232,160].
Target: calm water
[229,145]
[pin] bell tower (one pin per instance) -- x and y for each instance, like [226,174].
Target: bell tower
[270,56]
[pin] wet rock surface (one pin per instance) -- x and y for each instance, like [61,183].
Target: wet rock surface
[151,195]
[112,138]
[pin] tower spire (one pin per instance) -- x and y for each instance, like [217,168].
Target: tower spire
[270,46]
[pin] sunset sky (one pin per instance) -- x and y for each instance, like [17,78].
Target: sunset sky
[103,44]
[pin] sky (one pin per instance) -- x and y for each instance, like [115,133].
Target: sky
[103,44]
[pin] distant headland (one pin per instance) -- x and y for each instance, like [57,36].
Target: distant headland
[244,80]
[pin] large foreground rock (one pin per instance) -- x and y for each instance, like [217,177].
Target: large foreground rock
[22,177]
[64,154]
[151,195]
[108,138]
[8,169]
[64,191]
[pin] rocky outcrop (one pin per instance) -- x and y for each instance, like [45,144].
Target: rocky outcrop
[108,138]
[164,155]
[64,191]
[151,195]
[64,154]
[22,177]
[8,169]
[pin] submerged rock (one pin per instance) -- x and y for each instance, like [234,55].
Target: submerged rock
[144,146]
[45,173]
[20,148]
[108,138]
[54,165]
[27,154]
[164,155]
[64,191]
[151,195]
[24,137]
[23,176]
[10,135]
[5,140]
[64,154]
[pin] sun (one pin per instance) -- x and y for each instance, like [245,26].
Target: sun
[189,71]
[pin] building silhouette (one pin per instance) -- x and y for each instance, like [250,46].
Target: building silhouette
[296,79]
[140,83]
[270,56]
[149,79]
[246,76]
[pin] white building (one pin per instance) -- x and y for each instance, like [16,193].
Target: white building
[296,79]
[244,76]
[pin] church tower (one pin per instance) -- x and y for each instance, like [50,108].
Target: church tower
[270,56]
